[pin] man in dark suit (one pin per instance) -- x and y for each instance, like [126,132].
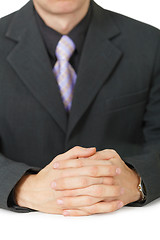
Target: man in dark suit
[74,74]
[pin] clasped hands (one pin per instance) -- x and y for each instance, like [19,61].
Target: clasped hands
[80,182]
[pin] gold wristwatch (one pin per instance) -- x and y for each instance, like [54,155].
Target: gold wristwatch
[142,190]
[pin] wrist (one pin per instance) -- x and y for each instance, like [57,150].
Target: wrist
[23,190]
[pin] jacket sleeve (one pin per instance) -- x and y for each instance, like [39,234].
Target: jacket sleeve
[147,163]
[10,173]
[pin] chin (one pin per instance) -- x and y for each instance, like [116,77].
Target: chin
[63,7]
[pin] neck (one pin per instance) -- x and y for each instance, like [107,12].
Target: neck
[63,23]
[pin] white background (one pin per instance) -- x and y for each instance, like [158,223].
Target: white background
[127,223]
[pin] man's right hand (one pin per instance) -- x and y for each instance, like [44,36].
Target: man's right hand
[36,192]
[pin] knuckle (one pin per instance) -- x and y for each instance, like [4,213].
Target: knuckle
[108,181]
[112,181]
[95,156]
[109,163]
[105,151]
[109,170]
[102,180]
[98,191]
[58,157]
[89,201]
[79,163]
[84,182]
[94,171]
[113,152]
[76,148]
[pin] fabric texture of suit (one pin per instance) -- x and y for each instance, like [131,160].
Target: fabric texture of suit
[116,101]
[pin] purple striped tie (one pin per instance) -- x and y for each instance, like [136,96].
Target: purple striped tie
[64,72]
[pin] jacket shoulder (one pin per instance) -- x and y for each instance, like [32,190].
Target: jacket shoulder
[4,23]
[134,27]
[5,43]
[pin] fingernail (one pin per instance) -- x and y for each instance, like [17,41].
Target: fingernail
[122,191]
[53,185]
[59,202]
[118,171]
[66,213]
[120,205]
[56,165]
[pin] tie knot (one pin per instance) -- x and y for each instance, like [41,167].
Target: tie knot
[65,48]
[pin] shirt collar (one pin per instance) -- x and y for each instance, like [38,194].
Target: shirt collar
[77,34]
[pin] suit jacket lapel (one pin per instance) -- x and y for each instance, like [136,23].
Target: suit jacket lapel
[30,60]
[98,60]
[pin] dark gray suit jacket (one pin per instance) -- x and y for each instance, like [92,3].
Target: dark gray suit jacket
[116,101]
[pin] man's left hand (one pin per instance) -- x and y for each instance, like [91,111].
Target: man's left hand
[99,184]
